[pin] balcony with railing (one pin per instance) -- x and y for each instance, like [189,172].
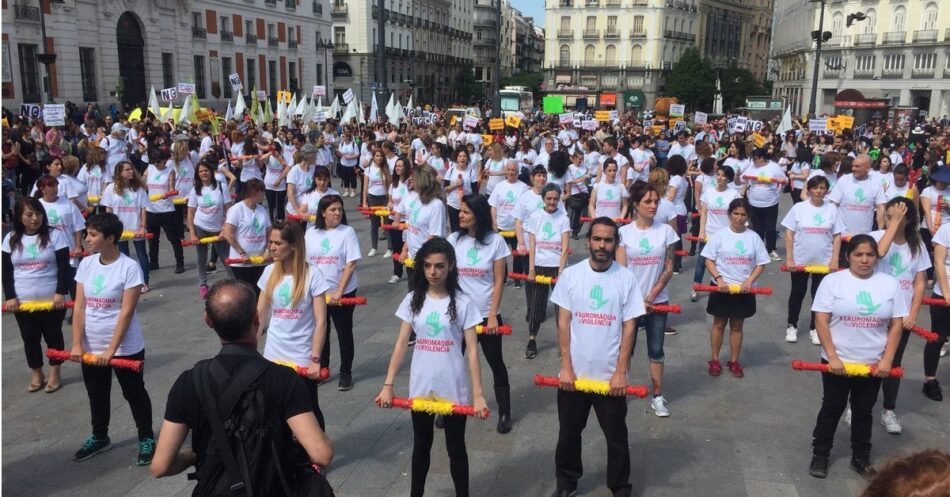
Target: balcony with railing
[892,73]
[837,42]
[612,33]
[925,36]
[317,8]
[638,34]
[290,5]
[865,40]
[591,34]
[227,36]
[639,3]
[199,33]
[592,3]
[338,10]
[863,73]
[922,73]
[566,3]
[565,34]
[613,3]
[250,39]
[272,41]
[292,44]
[341,48]
[26,13]
[895,38]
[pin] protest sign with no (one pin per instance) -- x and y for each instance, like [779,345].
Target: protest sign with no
[31,111]
[169,94]
[54,114]
[236,82]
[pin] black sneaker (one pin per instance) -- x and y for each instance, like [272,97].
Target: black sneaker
[91,447]
[212,267]
[439,422]
[819,466]
[412,338]
[346,382]
[146,451]
[531,351]
[179,269]
[863,467]
[153,266]
[932,390]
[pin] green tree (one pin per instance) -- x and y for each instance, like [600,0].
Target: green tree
[692,81]
[467,89]
[737,84]
[530,80]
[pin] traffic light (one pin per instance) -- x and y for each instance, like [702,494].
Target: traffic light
[825,35]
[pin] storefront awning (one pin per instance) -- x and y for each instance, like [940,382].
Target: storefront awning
[867,99]
[608,99]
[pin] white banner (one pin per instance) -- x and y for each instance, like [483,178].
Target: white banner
[348,96]
[54,114]
[320,90]
[566,118]
[236,82]
[319,117]
[186,88]
[590,124]
[470,122]
[818,125]
[169,94]
[677,110]
[700,118]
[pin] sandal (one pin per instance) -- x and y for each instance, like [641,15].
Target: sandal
[36,387]
[50,388]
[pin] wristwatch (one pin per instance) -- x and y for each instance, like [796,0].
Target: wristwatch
[315,359]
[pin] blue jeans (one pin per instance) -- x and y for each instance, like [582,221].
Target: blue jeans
[655,326]
[140,254]
[700,270]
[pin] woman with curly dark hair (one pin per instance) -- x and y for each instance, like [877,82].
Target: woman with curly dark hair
[444,317]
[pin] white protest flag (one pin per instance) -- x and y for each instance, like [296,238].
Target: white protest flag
[374,110]
[334,107]
[239,105]
[389,105]
[397,112]
[361,117]
[292,106]
[185,111]
[282,113]
[229,114]
[786,124]
[302,106]
[153,106]
[409,104]
[349,113]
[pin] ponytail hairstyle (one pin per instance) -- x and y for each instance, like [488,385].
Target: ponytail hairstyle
[420,283]
[291,233]
[911,223]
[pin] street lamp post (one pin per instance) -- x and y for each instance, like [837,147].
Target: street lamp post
[326,45]
[819,37]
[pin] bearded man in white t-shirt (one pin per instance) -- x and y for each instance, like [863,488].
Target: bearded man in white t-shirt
[598,303]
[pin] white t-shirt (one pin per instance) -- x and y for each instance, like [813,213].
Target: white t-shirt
[575,173]
[622,162]
[932,194]
[128,207]
[901,264]
[798,168]
[815,229]
[184,177]
[475,262]
[526,159]
[290,335]
[717,208]
[116,150]
[942,237]
[665,211]
[439,369]
[103,286]
[469,176]
[34,267]
[679,196]
[646,254]
[610,199]
[547,230]
[206,144]
[397,193]
[272,172]
[856,202]
[330,251]
[423,221]
[687,151]
[640,170]
[737,167]
[348,149]
[376,183]
[250,170]
[302,181]
[861,311]
[250,229]
[209,209]
[312,199]
[439,164]
[599,303]
[494,166]
[65,217]
[504,198]
[157,182]
[95,179]
[893,191]
[764,194]
[736,254]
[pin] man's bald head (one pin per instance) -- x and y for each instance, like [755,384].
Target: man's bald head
[861,166]
[231,309]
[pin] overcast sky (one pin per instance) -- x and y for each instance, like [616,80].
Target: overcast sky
[531,8]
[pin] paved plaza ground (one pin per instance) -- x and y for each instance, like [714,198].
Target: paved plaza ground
[726,436]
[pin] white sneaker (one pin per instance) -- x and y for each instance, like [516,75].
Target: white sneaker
[890,421]
[660,407]
[393,280]
[774,256]
[943,351]
[814,337]
[791,334]
[847,416]
[372,253]
[388,254]
[693,296]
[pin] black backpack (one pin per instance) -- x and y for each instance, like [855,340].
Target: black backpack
[260,458]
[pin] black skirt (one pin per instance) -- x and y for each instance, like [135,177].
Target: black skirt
[731,305]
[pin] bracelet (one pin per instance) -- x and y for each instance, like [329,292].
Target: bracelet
[315,358]
[387,384]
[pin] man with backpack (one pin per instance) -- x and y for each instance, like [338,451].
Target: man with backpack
[262,409]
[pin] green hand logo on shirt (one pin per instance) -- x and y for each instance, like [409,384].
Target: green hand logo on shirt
[897,268]
[325,246]
[98,284]
[859,195]
[740,247]
[283,294]
[127,197]
[510,197]
[547,230]
[257,226]
[156,178]
[206,200]
[32,251]
[819,219]
[597,300]
[720,202]
[473,257]
[609,194]
[183,171]
[864,300]
[53,215]
[435,327]
[540,204]
[645,247]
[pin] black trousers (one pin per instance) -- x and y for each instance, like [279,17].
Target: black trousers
[519,262]
[249,274]
[573,409]
[862,392]
[577,204]
[940,317]
[537,299]
[171,223]
[348,174]
[313,387]
[422,435]
[276,204]
[47,325]
[797,295]
[763,223]
[375,201]
[98,382]
[453,218]
[891,386]
[395,244]
[342,317]
[491,348]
